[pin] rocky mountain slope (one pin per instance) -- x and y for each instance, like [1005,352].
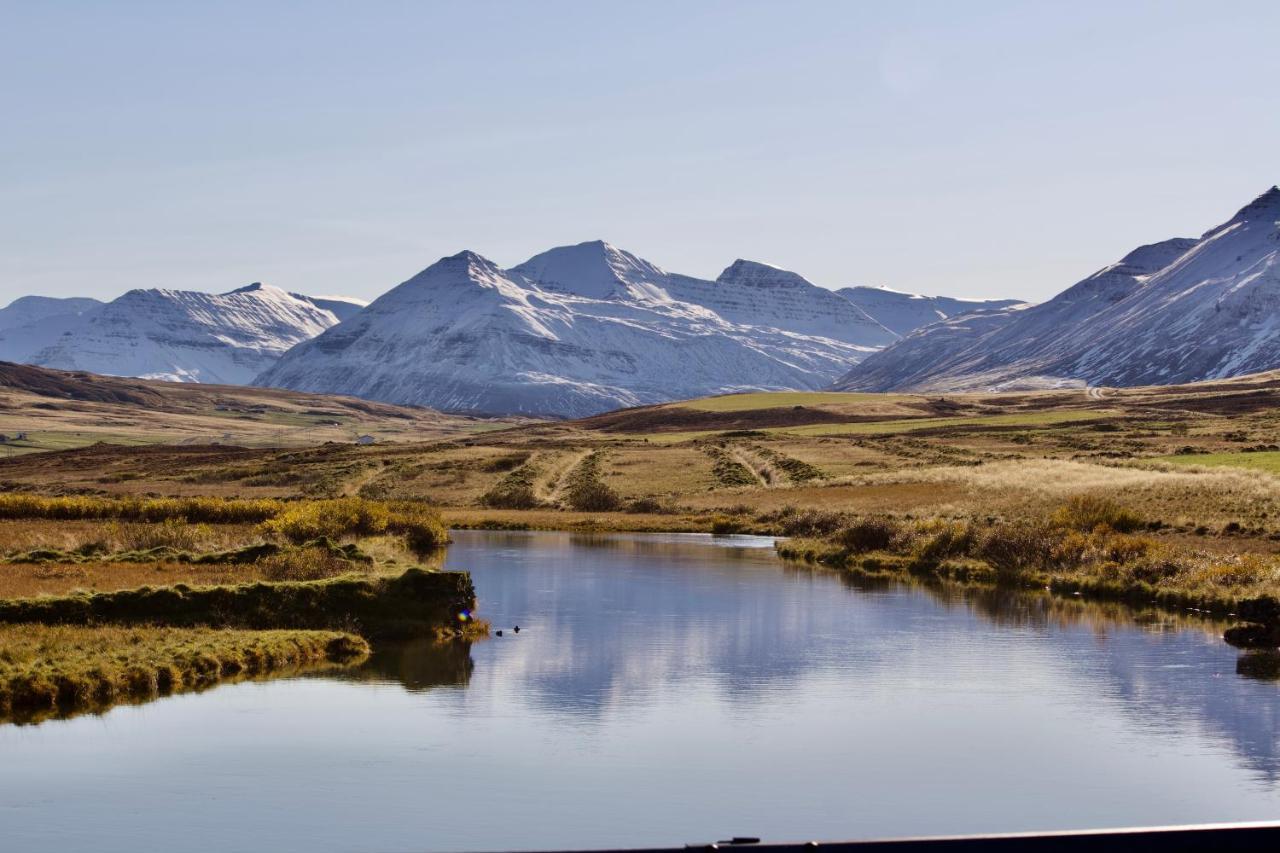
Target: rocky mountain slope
[1177,311]
[171,334]
[579,330]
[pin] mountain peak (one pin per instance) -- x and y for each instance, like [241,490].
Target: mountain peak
[248,288]
[468,262]
[257,287]
[759,274]
[595,269]
[1265,206]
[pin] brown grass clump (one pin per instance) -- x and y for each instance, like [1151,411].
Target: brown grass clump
[305,564]
[171,533]
[585,491]
[1089,512]
[791,520]
[876,533]
[516,490]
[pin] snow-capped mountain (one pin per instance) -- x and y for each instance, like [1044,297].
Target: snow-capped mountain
[1177,311]
[579,330]
[906,312]
[30,322]
[172,334]
[342,307]
[26,310]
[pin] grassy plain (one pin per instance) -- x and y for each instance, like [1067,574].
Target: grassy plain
[1197,464]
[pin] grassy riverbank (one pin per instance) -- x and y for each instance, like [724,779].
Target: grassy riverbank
[55,669]
[414,604]
[1087,546]
[115,598]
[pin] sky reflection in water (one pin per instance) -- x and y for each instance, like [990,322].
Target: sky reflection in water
[667,690]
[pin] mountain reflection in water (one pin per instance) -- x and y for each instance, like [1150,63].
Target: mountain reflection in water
[674,688]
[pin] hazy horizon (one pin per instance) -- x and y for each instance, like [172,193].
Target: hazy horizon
[986,150]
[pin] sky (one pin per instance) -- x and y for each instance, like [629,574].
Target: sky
[971,149]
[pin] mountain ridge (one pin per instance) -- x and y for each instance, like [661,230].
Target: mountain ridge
[577,330]
[1179,310]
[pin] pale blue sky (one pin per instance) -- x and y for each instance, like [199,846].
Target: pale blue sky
[955,147]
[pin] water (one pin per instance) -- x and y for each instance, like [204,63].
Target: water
[671,689]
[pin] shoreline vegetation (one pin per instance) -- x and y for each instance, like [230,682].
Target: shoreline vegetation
[57,670]
[106,600]
[1089,547]
[1164,496]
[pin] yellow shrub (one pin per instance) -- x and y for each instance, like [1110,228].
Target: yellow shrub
[303,522]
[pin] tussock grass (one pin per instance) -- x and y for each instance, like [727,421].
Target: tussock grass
[586,491]
[52,670]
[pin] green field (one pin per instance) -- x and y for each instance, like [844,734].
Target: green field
[44,440]
[1020,419]
[1268,461]
[785,399]
[1045,418]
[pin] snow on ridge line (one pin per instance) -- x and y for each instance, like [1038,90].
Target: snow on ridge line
[578,330]
[1176,311]
[225,338]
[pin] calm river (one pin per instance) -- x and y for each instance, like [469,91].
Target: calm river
[667,689]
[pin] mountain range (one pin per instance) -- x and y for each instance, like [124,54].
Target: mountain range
[1181,310]
[226,338]
[572,331]
[583,329]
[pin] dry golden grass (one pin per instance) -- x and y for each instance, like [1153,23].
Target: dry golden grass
[52,670]
[17,536]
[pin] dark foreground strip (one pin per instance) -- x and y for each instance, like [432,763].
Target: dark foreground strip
[1171,839]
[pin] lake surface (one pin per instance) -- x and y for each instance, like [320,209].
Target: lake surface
[668,689]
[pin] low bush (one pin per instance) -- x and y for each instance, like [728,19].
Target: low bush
[874,533]
[808,522]
[936,541]
[304,521]
[315,561]
[1014,549]
[506,462]
[516,489]
[421,526]
[171,533]
[585,489]
[1087,512]
[648,504]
